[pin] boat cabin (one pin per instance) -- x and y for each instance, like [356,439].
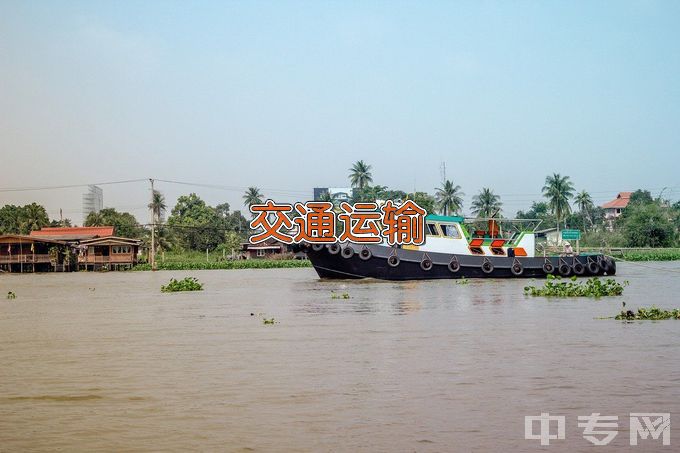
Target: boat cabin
[455,234]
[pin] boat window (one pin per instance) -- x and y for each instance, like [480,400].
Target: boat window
[432,229]
[451,231]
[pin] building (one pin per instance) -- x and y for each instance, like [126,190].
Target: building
[338,194]
[270,249]
[21,253]
[97,248]
[614,208]
[93,201]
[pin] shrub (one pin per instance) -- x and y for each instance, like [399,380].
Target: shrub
[186,284]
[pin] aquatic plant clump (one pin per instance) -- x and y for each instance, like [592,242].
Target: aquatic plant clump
[186,284]
[340,296]
[593,287]
[652,313]
[11,295]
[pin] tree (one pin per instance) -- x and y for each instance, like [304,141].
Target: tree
[124,223]
[648,225]
[10,219]
[641,197]
[424,200]
[197,225]
[32,217]
[360,174]
[449,198]
[486,203]
[558,190]
[252,196]
[60,223]
[157,206]
[585,205]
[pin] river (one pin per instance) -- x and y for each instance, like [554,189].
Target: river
[105,361]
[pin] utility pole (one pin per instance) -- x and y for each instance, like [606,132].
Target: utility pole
[152,257]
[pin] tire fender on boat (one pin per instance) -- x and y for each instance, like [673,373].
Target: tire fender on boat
[347,252]
[564,270]
[426,264]
[487,267]
[334,248]
[593,267]
[454,265]
[579,268]
[548,267]
[393,260]
[365,254]
[517,268]
[317,247]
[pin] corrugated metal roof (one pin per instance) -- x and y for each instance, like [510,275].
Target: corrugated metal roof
[73,232]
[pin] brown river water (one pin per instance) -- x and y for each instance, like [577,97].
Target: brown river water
[106,362]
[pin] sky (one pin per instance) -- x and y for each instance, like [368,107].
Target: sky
[286,95]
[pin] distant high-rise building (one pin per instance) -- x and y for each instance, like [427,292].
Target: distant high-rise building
[93,201]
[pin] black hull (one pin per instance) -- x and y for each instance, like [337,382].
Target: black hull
[373,261]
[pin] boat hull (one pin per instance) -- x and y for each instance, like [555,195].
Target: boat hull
[376,261]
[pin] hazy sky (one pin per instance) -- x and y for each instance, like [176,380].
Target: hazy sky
[287,95]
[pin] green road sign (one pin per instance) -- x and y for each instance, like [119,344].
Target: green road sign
[571,235]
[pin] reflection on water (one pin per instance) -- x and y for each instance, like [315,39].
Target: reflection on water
[106,361]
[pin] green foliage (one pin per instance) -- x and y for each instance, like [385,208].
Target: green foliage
[648,225]
[462,281]
[198,226]
[653,255]
[652,313]
[228,264]
[360,174]
[268,321]
[186,284]
[252,196]
[11,295]
[558,190]
[593,287]
[125,224]
[449,198]
[424,200]
[22,219]
[486,203]
[340,296]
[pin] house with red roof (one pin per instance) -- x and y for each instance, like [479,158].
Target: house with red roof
[97,247]
[614,208]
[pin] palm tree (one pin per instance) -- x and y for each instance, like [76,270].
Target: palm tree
[157,206]
[360,174]
[558,190]
[252,196]
[585,204]
[486,203]
[449,198]
[33,217]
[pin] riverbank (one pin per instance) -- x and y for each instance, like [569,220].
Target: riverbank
[226,264]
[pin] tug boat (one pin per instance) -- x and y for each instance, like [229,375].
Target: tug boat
[455,247]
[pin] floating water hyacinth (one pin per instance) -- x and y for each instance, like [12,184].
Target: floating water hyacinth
[593,287]
[340,296]
[186,284]
[11,295]
[652,313]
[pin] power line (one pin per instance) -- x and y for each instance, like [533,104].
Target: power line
[68,186]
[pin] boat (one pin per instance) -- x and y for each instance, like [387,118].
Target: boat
[456,247]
